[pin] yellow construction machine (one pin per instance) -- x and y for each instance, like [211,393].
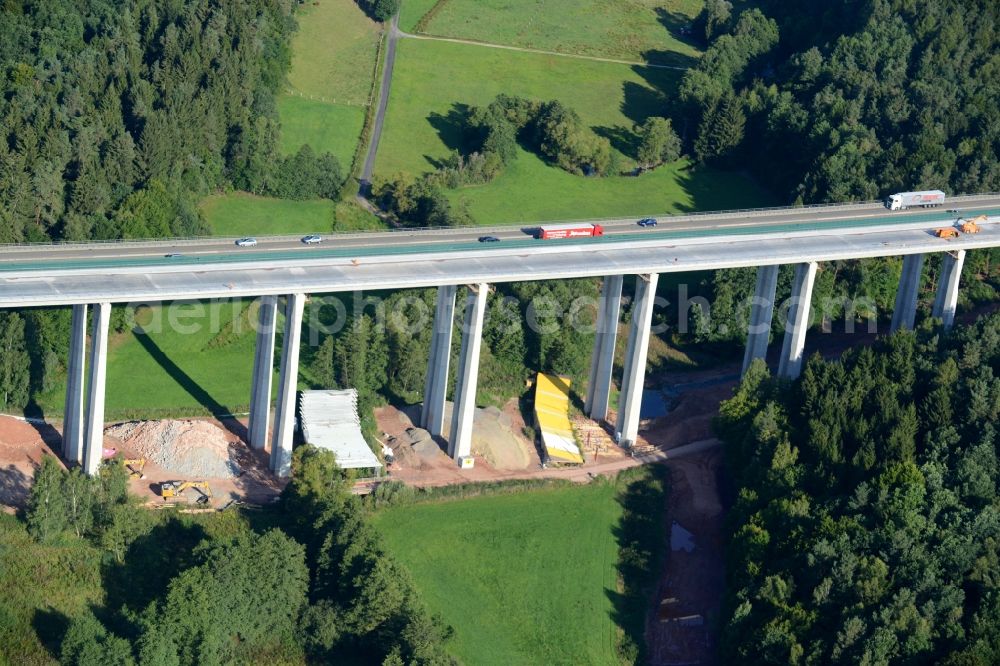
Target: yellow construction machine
[175,488]
[134,467]
[972,226]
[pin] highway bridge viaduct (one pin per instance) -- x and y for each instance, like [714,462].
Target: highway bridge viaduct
[93,276]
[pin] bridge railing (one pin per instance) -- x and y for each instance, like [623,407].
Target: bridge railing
[673,217]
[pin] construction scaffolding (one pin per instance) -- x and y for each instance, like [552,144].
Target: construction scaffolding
[552,418]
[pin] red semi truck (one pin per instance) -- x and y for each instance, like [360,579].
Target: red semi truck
[572,230]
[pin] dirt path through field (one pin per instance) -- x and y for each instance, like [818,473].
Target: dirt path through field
[491,45]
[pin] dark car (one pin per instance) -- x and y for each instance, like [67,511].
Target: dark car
[647,222]
[489,239]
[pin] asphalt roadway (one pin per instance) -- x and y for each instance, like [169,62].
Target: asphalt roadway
[846,217]
[383,103]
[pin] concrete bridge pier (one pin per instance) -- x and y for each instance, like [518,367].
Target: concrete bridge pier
[284,415]
[460,443]
[263,364]
[946,300]
[436,384]
[634,377]
[72,448]
[93,440]
[761,312]
[905,311]
[790,365]
[603,357]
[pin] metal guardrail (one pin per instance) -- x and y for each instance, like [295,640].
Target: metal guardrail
[694,215]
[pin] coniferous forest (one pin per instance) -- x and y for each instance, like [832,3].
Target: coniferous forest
[849,100]
[115,117]
[866,527]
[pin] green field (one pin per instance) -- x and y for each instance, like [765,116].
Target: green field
[530,190]
[196,359]
[327,128]
[333,60]
[523,579]
[433,79]
[242,214]
[412,11]
[333,52]
[641,30]
[40,588]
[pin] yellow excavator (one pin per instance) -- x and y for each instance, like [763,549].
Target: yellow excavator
[175,488]
[972,226]
[134,467]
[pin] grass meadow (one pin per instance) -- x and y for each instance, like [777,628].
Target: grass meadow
[198,363]
[333,60]
[41,588]
[525,578]
[435,81]
[531,190]
[640,30]
[327,128]
[333,52]
[411,11]
[243,214]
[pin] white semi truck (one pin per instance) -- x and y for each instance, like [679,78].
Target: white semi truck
[904,200]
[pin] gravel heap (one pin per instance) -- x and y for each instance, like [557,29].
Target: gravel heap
[191,449]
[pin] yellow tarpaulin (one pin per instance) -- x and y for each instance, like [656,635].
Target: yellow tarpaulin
[552,415]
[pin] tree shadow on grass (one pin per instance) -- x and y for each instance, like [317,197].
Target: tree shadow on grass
[203,397]
[50,626]
[679,26]
[622,139]
[641,537]
[642,101]
[709,188]
[15,486]
[669,59]
[452,128]
[150,563]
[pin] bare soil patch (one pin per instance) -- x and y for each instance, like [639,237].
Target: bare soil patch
[174,451]
[682,629]
[22,446]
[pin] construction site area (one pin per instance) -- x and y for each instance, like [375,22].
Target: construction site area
[205,464]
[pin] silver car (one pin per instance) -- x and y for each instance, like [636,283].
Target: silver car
[247,242]
[312,239]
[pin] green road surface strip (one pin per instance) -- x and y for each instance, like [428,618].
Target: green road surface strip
[526,578]
[641,30]
[259,254]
